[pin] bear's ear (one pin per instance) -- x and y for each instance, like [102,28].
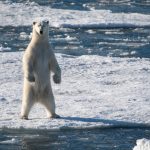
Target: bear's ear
[34,23]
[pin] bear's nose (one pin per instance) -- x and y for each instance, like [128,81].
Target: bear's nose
[41,32]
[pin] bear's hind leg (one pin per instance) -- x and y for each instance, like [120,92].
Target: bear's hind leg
[50,107]
[26,107]
[27,103]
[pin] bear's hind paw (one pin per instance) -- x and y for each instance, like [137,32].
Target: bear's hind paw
[55,116]
[24,117]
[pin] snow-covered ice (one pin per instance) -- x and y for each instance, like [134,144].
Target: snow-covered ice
[142,144]
[4,49]
[21,14]
[95,92]
[11,141]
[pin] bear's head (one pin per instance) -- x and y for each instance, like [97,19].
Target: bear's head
[41,27]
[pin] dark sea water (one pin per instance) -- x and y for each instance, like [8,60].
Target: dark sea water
[128,42]
[116,42]
[94,139]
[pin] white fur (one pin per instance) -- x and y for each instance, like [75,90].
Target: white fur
[38,62]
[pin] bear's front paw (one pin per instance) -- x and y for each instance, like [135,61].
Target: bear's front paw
[56,79]
[31,78]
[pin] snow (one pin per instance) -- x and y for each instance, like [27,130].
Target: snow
[95,92]
[24,36]
[142,144]
[4,49]
[23,14]
[12,141]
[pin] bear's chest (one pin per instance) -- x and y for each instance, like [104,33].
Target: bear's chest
[41,61]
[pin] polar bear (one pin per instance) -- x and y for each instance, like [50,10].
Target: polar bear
[38,62]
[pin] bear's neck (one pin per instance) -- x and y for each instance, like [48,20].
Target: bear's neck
[36,38]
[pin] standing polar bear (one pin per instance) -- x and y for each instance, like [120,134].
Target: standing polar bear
[38,62]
